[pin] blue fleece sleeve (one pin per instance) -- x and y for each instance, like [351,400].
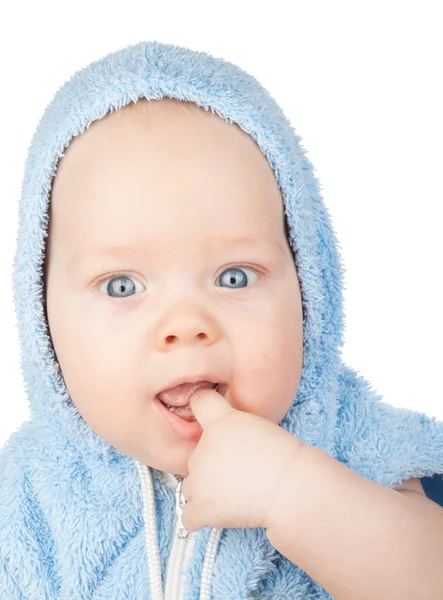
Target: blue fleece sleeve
[27,569]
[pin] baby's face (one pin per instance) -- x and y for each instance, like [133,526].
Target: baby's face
[146,281]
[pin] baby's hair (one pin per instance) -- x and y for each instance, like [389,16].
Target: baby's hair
[146,110]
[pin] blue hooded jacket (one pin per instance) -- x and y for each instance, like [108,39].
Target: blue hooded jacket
[78,519]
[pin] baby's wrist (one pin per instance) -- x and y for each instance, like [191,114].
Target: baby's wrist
[287,484]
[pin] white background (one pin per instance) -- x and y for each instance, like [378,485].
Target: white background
[361,84]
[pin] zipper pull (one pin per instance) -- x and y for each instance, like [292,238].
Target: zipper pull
[180,501]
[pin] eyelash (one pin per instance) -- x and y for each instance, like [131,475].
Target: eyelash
[110,276]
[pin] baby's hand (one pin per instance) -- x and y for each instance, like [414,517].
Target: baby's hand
[237,468]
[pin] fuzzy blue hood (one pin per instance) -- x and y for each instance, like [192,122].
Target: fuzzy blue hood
[78,519]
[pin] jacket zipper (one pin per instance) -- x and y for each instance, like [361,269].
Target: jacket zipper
[180,539]
[175,562]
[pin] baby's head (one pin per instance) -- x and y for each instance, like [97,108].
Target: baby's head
[167,256]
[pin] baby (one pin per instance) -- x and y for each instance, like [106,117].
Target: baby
[194,431]
[167,247]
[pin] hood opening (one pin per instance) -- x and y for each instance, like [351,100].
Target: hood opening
[152,70]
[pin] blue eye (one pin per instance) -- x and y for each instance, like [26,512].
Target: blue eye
[120,284]
[235,275]
[123,284]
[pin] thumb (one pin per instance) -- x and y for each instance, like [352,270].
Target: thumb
[209,406]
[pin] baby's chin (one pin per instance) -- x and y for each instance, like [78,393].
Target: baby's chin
[168,459]
[178,467]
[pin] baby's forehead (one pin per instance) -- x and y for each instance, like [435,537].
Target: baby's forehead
[166,118]
[156,163]
[178,128]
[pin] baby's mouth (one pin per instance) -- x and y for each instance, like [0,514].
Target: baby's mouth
[177,399]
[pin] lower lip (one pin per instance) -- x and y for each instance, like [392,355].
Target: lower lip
[188,431]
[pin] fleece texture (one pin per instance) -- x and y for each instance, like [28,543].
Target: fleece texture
[71,506]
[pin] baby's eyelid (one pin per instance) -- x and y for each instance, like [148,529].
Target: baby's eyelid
[116,275]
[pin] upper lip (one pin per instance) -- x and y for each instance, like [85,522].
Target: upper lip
[212,377]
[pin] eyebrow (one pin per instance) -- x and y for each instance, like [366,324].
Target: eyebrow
[128,251]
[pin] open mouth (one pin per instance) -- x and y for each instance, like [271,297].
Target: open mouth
[184,410]
[215,386]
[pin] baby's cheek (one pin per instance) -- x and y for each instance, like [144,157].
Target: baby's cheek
[282,362]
